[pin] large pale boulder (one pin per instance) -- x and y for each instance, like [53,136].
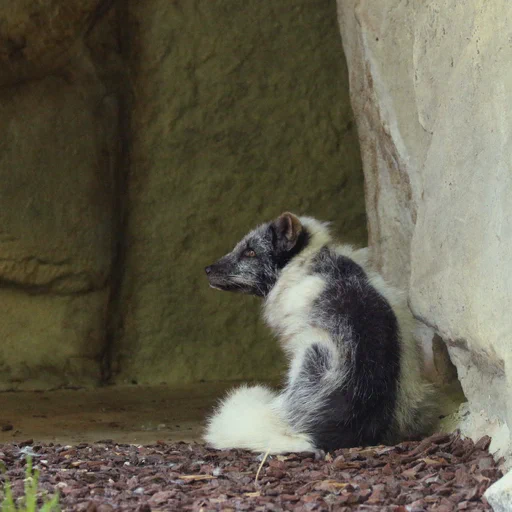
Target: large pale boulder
[240,111]
[461,281]
[499,495]
[430,86]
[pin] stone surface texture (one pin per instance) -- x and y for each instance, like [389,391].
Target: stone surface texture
[37,37]
[138,142]
[499,495]
[240,111]
[58,150]
[430,87]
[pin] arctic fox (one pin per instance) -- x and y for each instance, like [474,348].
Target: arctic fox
[354,375]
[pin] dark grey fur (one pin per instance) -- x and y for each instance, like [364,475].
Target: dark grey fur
[346,392]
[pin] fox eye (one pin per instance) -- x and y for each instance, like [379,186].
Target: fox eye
[249,253]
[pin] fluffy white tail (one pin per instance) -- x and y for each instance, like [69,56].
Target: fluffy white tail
[249,418]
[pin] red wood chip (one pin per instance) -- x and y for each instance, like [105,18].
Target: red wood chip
[442,473]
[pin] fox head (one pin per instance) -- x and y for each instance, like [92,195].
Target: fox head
[254,264]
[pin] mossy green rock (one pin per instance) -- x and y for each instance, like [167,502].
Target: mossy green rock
[58,146]
[55,232]
[240,111]
[139,142]
[38,37]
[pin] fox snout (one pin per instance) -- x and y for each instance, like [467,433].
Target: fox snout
[217,274]
[212,272]
[216,269]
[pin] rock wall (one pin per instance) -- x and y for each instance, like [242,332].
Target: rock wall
[430,86]
[138,141]
[240,111]
[57,148]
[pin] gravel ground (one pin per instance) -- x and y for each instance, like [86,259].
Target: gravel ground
[439,474]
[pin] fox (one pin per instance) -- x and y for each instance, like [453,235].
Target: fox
[354,375]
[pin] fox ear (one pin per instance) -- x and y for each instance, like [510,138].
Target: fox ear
[288,228]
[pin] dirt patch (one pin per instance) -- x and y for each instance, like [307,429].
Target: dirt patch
[126,414]
[440,474]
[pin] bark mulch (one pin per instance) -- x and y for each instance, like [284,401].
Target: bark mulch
[439,474]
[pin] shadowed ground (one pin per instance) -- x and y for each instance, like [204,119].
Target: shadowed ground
[124,414]
[129,414]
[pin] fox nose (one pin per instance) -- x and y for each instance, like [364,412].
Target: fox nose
[208,270]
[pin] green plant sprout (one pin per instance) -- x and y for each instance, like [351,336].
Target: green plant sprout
[29,502]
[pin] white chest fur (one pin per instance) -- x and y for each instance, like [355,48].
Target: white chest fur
[289,305]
